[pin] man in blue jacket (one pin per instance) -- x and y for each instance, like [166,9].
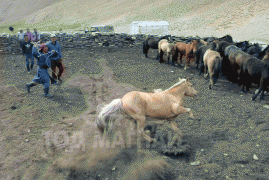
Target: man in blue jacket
[56,60]
[27,47]
[44,62]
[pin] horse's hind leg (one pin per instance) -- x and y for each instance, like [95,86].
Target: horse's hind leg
[205,70]
[161,56]
[168,57]
[146,51]
[141,120]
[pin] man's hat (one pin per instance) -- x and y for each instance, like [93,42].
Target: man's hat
[53,35]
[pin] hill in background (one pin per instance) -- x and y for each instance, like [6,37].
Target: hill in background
[243,19]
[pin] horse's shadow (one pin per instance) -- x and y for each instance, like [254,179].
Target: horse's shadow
[184,150]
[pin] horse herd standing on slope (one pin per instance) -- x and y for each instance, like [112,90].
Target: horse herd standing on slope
[240,62]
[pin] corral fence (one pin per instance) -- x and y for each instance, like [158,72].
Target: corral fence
[9,43]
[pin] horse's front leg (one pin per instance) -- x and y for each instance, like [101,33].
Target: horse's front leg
[180,58]
[177,110]
[187,63]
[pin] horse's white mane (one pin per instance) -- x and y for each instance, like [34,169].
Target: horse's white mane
[177,84]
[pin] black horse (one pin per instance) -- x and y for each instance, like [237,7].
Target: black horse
[209,39]
[228,70]
[262,53]
[227,38]
[257,72]
[243,45]
[254,50]
[152,42]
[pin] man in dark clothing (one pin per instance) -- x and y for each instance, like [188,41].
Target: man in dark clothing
[11,28]
[27,47]
[56,61]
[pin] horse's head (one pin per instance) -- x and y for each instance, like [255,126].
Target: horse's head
[214,46]
[194,45]
[189,91]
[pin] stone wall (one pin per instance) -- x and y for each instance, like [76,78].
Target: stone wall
[10,45]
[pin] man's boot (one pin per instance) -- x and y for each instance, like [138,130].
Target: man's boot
[46,93]
[28,69]
[28,86]
[59,80]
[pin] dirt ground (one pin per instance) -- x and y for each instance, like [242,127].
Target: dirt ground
[41,138]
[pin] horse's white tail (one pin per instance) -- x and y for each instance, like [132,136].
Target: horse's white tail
[108,114]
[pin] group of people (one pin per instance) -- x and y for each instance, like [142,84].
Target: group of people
[47,55]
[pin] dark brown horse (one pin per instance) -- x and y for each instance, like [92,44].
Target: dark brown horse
[228,69]
[188,50]
[257,72]
[236,58]
[165,47]
[152,42]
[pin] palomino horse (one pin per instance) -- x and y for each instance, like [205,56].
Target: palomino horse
[168,48]
[152,42]
[212,63]
[162,105]
[186,50]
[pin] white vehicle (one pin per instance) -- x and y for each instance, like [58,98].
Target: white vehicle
[102,29]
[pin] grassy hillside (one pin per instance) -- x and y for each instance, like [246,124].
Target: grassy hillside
[243,19]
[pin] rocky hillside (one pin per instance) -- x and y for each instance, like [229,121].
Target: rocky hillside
[243,19]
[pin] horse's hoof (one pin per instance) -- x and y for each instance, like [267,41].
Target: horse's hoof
[152,141]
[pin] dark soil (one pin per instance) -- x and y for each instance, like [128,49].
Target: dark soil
[229,129]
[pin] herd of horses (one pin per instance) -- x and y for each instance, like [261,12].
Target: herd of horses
[240,62]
